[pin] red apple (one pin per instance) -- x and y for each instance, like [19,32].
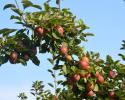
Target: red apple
[84,65]
[86,59]
[68,57]
[111,94]
[112,74]
[55,97]
[60,30]
[71,81]
[97,74]
[34,50]
[76,77]
[100,79]
[13,56]
[88,75]
[39,31]
[64,50]
[90,94]
[26,57]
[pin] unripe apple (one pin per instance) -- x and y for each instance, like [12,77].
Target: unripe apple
[111,94]
[82,75]
[60,30]
[76,77]
[64,50]
[100,79]
[90,86]
[84,65]
[68,58]
[13,56]
[86,59]
[90,94]
[39,31]
[112,74]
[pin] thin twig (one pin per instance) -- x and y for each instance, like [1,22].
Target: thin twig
[17,4]
[22,13]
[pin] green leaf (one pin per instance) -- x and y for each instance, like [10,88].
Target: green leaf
[59,82]
[35,60]
[88,34]
[80,87]
[64,69]
[122,56]
[77,41]
[73,68]
[16,17]
[82,37]
[46,6]
[50,71]
[53,75]
[6,31]
[55,36]
[37,6]
[23,62]
[57,67]
[51,61]
[9,6]
[51,85]
[109,59]
[43,48]
[17,11]
[58,90]
[26,3]
[96,88]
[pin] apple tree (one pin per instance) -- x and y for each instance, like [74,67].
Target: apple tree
[57,31]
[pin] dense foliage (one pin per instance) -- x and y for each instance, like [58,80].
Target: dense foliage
[58,32]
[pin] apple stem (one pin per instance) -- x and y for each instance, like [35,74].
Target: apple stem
[55,84]
[24,20]
[55,81]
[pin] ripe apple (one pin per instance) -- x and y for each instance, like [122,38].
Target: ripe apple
[112,74]
[111,94]
[82,75]
[76,77]
[64,50]
[60,30]
[90,94]
[55,97]
[100,79]
[39,31]
[68,57]
[88,75]
[71,81]
[86,59]
[13,56]
[84,65]
[34,50]
[90,86]
[97,74]
[26,57]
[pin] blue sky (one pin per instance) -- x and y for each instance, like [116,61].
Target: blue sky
[106,19]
